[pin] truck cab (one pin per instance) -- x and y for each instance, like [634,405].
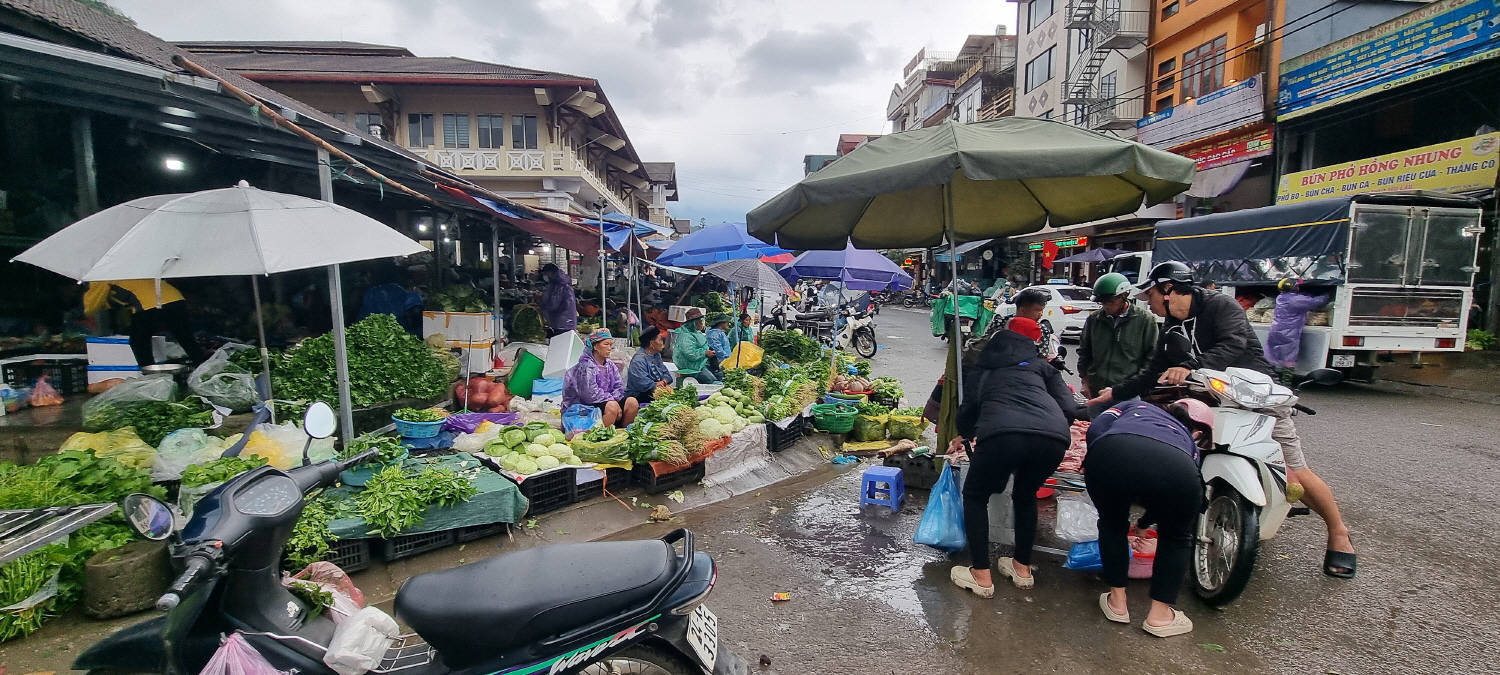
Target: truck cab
[1397,270]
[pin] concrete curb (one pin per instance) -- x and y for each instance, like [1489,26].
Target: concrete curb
[1470,395]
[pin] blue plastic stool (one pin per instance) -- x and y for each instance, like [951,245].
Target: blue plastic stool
[883,479]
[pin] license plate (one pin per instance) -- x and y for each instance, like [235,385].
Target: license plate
[703,636]
[1343,361]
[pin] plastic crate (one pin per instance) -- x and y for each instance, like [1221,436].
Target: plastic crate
[409,545]
[67,376]
[588,489]
[351,555]
[618,479]
[550,491]
[653,484]
[479,531]
[778,439]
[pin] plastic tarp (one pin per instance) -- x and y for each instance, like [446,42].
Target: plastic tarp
[746,452]
[1307,229]
[569,236]
[498,501]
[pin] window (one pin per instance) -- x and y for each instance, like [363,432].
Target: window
[1203,68]
[419,131]
[1045,116]
[455,130]
[491,131]
[1038,11]
[365,120]
[1169,11]
[1039,70]
[339,116]
[1165,67]
[1163,103]
[1165,84]
[523,132]
[1107,85]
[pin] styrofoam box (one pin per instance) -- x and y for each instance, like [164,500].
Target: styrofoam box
[460,326]
[99,374]
[678,312]
[114,350]
[476,357]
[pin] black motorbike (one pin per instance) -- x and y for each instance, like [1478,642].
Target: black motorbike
[605,607]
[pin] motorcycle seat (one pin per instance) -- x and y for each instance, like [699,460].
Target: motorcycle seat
[812,316]
[482,610]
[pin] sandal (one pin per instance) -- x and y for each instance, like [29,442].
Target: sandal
[1007,568]
[1110,613]
[1340,564]
[1180,625]
[963,577]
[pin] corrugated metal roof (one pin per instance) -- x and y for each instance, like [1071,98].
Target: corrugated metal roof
[376,67]
[295,47]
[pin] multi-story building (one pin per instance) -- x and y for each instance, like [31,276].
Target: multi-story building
[986,89]
[542,138]
[925,95]
[1083,62]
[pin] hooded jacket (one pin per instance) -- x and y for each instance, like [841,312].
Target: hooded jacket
[1112,349]
[559,305]
[1012,390]
[1215,335]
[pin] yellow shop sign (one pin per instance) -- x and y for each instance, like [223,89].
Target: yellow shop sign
[1456,166]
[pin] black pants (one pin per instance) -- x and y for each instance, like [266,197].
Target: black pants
[1125,469]
[170,318]
[1031,458]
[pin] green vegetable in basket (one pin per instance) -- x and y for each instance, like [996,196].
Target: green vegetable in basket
[423,415]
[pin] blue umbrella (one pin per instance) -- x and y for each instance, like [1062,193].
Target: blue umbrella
[860,269]
[716,243]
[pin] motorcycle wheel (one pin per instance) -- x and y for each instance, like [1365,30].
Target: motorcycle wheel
[1224,557]
[641,660]
[864,344]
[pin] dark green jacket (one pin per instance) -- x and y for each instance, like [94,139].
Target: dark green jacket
[1111,350]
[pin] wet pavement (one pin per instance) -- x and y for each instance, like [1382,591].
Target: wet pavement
[1413,474]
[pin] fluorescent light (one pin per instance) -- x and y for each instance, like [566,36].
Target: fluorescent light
[176,127]
[173,164]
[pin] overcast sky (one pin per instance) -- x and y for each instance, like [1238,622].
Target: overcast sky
[734,91]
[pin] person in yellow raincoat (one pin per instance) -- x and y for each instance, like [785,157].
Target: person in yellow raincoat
[154,312]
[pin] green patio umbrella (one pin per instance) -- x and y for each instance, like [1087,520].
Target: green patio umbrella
[966,182]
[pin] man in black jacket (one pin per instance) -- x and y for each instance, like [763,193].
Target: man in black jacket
[1207,329]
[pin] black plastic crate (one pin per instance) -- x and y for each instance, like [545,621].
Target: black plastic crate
[351,555]
[406,546]
[67,376]
[917,472]
[617,479]
[653,484]
[550,491]
[473,532]
[778,439]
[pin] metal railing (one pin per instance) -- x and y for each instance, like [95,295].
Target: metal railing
[1122,29]
[1119,112]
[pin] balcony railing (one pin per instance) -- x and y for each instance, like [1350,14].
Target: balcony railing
[1116,113]
[1003,105]
[975,66]
[1122,29]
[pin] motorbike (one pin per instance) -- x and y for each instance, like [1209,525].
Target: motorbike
[604,607]
[858,332]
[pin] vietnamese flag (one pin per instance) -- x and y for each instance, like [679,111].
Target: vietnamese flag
[1049,253]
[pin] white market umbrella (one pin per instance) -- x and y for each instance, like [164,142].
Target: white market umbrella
[749,272]
[237,231]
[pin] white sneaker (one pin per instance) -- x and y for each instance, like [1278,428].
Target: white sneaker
[1179,626]
[963,577]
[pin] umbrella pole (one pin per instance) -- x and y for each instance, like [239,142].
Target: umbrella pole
[336,299]
[953,387]
[495,275]
[265,353]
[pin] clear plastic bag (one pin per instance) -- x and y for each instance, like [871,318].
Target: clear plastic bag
[184,448]
[942,524]
[144,389]
[224,384]
[1077,519]
[44,394]
[359,642]
[237,657]
[281,445]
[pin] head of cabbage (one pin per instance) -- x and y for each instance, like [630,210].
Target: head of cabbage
[535,449]
[559,451]
[526,466]
[547,462]
[711,428]
[514,437]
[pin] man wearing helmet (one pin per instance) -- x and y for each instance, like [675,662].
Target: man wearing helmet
[1118,340]
[1208,329]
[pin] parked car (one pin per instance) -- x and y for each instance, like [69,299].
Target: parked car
[1069,307]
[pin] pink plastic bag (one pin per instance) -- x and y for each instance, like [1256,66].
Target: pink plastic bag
[237,657]
[329,574]
[44,394]
[1077,448]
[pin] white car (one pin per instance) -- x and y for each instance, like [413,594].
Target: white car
[1066,311]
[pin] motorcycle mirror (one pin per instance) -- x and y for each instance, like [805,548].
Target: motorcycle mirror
[1325,376]
[1062,352]
[148,516]
[319,420]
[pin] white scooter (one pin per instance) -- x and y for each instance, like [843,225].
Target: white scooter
[1245,477]
[858,332]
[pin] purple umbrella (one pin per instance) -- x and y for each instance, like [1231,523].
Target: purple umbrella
[859,269]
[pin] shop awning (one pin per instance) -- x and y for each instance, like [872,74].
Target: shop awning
[1314,228]
[572,237]
[962,249]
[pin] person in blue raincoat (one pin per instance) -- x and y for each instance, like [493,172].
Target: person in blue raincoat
[690,350]
[559,305]
[718,342]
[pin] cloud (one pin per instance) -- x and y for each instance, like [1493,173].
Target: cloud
[725,88]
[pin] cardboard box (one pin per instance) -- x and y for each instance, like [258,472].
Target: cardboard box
[458,327]
[562,353]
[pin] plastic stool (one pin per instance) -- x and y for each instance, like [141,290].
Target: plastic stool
[883,479]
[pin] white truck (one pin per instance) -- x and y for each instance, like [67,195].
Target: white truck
[1399,268]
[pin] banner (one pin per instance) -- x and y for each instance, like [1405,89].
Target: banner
[1237,148]
[1457,166]
[1233,106]
[1428,41]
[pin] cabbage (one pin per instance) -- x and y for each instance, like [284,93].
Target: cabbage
[724,414]
[711,428]
[535,450]
[739,424]
[559,451]
[547,462]
[514,437]
[533,431]
[547,439]
[508,462]
[572,460]
[703,413]
[526,466]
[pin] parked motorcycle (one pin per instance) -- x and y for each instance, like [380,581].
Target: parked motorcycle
[605,607]
[858,333]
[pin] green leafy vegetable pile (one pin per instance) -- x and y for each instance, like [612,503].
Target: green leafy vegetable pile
[219,470]
[888,388]
[313,595]
[714,303]
[152,420]
[526,326]
[790,346]
[394,499]
[599,434]
[872,409]
[908,412]
[457,299]
[862,368]
[389,446]
[420,415]
[385,363]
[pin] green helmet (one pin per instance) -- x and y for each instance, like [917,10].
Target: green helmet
[1111,285]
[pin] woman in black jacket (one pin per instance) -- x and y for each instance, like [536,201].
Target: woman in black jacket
[1016,413]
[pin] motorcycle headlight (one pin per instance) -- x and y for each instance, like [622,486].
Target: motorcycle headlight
[1251,394]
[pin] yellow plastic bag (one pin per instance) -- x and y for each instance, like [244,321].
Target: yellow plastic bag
[122,445]
[86,441]
[745,355]
[276,455]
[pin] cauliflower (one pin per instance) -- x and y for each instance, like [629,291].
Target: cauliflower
[546,439]
[559,451]
[711,428]
[572,460]
[547,462]
[535,450]
[526,466]
[724,414]
[514,437]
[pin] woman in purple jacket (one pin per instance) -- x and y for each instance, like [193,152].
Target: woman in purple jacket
[1141,454]
[595,381]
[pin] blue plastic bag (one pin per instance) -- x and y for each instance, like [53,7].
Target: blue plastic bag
[1085,556]
[579,418]
[942,525]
